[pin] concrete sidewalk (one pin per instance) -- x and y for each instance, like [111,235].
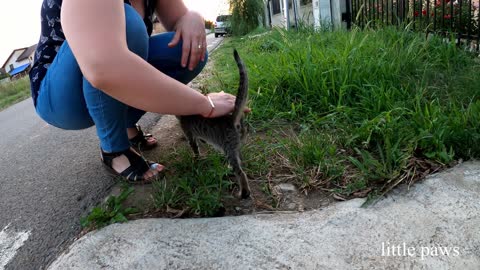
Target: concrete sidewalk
[434,225]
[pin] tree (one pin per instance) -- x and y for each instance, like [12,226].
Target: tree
[208,24]
[246,15]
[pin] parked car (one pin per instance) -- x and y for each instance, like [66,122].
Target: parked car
[222,25]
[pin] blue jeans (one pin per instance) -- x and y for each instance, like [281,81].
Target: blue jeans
[68,101]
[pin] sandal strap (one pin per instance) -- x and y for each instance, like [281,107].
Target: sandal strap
[140,135]
[140,140]
[138,164]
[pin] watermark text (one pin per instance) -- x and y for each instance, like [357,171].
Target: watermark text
[403,250]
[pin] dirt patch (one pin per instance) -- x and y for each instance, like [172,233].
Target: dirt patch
[169,135]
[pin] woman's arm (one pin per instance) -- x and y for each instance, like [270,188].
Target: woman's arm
[169,12]
[98,40]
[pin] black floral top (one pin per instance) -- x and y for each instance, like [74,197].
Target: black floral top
[52,37]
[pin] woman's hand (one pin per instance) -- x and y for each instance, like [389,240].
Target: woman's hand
[224,104]
[191,29]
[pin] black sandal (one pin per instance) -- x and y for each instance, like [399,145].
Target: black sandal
[138,166]
[140,141]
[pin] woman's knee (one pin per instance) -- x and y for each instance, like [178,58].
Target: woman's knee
[191,74]
[201,64]
[168,59]
[186,75]
[158,48]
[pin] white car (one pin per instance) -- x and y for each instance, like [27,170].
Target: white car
[222,25]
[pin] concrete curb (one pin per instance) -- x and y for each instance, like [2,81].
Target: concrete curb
[407,230]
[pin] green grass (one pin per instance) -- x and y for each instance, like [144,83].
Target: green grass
[353,113]
[375,108]
[195,186]
[13,92]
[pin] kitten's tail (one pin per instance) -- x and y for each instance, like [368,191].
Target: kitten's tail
[242,94]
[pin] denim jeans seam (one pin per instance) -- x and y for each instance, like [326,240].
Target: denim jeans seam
[104,117]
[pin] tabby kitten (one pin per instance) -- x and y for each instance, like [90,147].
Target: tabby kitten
[223,133]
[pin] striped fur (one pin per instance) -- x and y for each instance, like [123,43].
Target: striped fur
[223,133]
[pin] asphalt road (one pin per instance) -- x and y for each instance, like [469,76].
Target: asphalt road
[49,178]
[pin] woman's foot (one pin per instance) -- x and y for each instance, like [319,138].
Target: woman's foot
[121,163]
[132,166]
[140,140]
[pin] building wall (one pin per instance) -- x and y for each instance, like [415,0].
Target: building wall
[31,57]
[305,16]
[15,64]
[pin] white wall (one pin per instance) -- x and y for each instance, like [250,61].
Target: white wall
[12,59]
[328,13]
[31,57]
[305,15]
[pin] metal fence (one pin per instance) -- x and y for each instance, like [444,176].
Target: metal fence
[459,18]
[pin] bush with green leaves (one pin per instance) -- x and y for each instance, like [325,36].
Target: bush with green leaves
[3,76]
[246,15]
[14,91]
[447,15]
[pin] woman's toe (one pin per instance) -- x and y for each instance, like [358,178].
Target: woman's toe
[148,175]
[157,167]
[151,141]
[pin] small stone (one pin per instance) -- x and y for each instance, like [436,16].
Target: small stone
[285,187]
[292,206]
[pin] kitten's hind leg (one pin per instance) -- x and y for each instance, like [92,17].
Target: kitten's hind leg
[193,143]
[233,156]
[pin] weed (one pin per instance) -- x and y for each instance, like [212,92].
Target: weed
[313,157]
[112,211]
